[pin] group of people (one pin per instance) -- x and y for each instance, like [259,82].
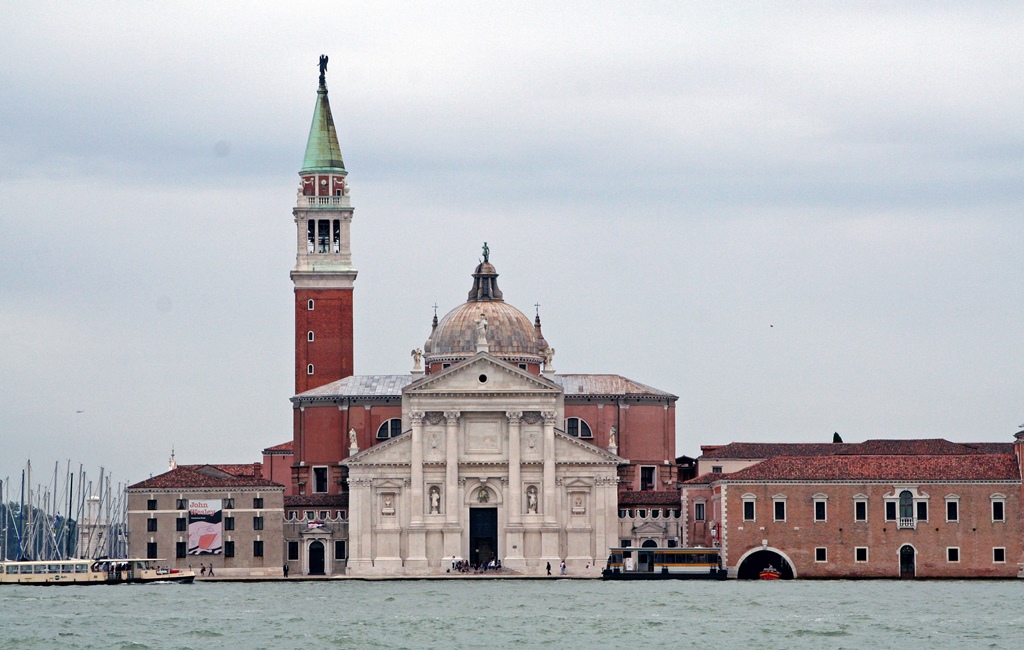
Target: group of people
[561,568]
[203,570]
[465,566]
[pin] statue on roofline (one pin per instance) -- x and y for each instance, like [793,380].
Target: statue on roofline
[323,68]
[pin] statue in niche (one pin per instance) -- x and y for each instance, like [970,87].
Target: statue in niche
[612,437]
[484,496]
[481,329]
[531,499]
[434,440]
[417,359]
[353,444]
[531,440]
[577,505]
[435,500]
[389,505]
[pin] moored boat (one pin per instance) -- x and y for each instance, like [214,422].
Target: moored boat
[649,563]
[91,572]
[770,573]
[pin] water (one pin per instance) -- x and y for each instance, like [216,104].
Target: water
[516,613]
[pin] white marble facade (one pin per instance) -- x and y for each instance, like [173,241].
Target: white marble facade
[481,469]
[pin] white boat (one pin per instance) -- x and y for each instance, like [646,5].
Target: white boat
[91,572]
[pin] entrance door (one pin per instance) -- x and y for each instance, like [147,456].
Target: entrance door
[645,559]
[483,535]
[316,558]
[907,569]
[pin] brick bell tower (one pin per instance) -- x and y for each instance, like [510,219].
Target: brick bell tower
[323,275]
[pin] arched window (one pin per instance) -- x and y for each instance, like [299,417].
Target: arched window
[309,305]
[309,369]
[577,428]
[906,505]
[309,336]
[389,429]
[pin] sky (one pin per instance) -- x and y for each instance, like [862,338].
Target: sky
[800,218]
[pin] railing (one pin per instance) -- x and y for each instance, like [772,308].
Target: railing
[906,522]
[324,202]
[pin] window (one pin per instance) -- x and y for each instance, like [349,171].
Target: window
[181,504]
[890,511]
[257,548]
[229,523]
[389,429]
[622,513]
[293,551]
[577,428]
[151,504]
[309,336]
[311,515]
[319,480]
[339,549]
[626,543]
[698,511]
[922,511]
[641,513]
[445,365]
[820,508]
[999,555]
[748,508]
[151,551]
[229,548]
[309,369]
[180,549]
[309,305]
[906,505]
[952,554]
[952,509]
[655,513]
[257,502]
[324,514]
[647,477]
[860,554]
[860,510]
[181,524]
[229,504]
[998,507]
[340,514]
[821,554]
[151,525]
[780,509]
[257,523]
[716,469]
[522,366]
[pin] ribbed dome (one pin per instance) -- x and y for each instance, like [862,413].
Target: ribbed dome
[509,332]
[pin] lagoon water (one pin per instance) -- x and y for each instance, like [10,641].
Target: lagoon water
[517,613]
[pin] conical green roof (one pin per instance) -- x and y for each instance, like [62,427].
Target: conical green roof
[322,151]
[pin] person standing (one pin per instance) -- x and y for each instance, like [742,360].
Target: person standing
[202,569]
[549,568]
[561,567]
[286,570]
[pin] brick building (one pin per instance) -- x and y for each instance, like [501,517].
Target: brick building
[227,516]
[877,509]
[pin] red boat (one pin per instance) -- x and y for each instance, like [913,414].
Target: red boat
[769,573]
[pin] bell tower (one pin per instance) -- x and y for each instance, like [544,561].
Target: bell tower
[323,275]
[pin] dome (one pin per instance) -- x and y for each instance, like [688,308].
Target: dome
[510,333]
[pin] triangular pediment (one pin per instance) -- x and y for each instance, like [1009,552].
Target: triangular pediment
[396,451]
[574,450]
[649,528]
[482,374]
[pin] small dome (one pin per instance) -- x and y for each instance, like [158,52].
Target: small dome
[509,332]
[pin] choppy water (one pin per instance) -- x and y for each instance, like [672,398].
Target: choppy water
[520,613]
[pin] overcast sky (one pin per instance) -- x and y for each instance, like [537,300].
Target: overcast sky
[800,218]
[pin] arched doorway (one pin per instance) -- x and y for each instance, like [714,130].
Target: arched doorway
[645,559]
[908,568]
[752,565]
[316,558]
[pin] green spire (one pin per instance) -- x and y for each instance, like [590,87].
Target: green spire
[322,151]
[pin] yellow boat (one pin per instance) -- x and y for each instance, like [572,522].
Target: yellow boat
[91,572]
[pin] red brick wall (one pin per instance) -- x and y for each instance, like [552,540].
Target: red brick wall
[278,468]
[331,350]
[975,534]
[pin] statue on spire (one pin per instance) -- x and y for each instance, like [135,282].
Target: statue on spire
[487,253]
[323,69]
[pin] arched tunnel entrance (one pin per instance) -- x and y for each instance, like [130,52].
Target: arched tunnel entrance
[752,565]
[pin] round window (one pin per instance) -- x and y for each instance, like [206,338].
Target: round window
[483,379]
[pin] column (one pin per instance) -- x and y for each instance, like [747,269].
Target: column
[452,503]
[514,538]
[549,534]
[417,557]
[360,522]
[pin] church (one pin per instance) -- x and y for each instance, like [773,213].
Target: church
[481,453]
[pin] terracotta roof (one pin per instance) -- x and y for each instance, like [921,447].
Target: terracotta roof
[283,447]
[935,468]
[316,501]
[706,479]
[605,385]
[250,469]
[649,498]
[203,476]
[879,447]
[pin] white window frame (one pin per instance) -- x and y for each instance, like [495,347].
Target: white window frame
[867,554]
[777,499]
[752,500]
[309,369]
[823,500]
[953,548]
[386,425]
[952,498]
[309,305]
[821,548]
[309,336]
[327,479]
[860,498]
[998,548]
[579,428]
[703,510]
[640,477]
[1000,499]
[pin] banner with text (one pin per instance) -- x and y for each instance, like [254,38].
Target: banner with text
[205,533]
